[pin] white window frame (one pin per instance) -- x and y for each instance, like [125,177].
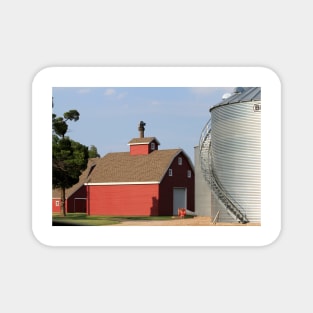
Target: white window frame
[189,173]
[170,172]
[180,161]
[152,145]
[57,203]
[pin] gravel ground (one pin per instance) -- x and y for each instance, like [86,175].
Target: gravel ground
[196,221]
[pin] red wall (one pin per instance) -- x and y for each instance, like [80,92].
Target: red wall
[143,148]
[123,200]
[55,208]
[139,149]
[179,179]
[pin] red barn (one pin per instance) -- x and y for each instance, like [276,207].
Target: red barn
[144,181]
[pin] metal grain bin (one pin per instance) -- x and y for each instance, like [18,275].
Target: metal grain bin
[236,150]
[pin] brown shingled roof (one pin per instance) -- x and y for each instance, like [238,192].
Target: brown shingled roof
[124,167]
[144,140]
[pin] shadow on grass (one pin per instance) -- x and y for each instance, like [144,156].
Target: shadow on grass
[76,219]
[61,223]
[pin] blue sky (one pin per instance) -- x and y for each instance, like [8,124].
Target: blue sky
[109,117]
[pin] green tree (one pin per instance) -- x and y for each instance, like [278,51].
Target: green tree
[59,124]
[93,152]
[69,158]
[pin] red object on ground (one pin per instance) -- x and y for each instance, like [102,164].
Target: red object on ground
[181,212]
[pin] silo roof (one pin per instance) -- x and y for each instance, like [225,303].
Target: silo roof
[242,94]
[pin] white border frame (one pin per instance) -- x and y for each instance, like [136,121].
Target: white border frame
[262,77]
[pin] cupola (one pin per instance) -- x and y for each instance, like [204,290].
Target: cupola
[143,145]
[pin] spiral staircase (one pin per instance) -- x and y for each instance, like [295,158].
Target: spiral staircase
[207,168]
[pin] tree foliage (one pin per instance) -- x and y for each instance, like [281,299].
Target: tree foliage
[69,158]
[59,124]
[93,152]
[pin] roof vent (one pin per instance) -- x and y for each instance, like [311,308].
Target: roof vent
[238,90]
[226,95]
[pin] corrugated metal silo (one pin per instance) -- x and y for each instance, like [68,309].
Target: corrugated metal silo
[231,156]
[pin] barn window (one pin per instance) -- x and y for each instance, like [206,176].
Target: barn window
[57,203]
[180,161]
[170,172]
[189,173]
[152,145]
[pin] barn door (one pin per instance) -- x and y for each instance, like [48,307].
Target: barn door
[179,196]
[80,205]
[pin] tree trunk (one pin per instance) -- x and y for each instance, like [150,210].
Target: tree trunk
[63,209]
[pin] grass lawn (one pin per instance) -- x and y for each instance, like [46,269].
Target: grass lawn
[80,219]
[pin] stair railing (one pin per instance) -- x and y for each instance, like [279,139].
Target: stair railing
[231,205]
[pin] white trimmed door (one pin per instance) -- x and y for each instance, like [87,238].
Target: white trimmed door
[179,199]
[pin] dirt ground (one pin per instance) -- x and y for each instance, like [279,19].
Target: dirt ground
[176,221]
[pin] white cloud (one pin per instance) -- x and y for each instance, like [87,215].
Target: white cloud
[121,95]
[109,92]
[155,102]
[205,91]
[83,90]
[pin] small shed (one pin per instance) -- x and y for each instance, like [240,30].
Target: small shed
[76,197]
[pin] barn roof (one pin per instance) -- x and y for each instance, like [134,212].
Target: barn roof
[122,167]
[144,140]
